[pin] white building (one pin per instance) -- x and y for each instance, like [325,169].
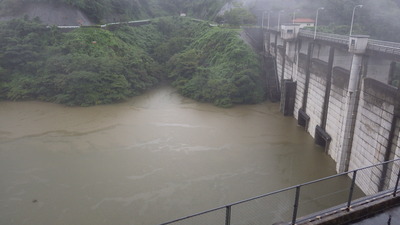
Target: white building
[304,22]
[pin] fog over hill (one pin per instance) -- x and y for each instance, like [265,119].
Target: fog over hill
[51,13]
[70,12]
[379,19]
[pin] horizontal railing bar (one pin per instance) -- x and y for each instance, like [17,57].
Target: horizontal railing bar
[262,196]
[344,173]
[385,43]
[343,205]
[281,190]
[194,215]
[378,45]
[383,46]
[229,205]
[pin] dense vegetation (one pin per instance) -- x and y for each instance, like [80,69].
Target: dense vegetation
[91,66]
[237,16]
[85,67]
[218,68]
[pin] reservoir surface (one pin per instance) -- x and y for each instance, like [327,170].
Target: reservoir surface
[151,159]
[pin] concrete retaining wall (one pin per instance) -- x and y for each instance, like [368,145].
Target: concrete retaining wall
[342,59]
[378,69]
[360,124]
[316,93]
[301,81]
[279,62]
[336,111]
[372,130]
[289,71]
[396,149]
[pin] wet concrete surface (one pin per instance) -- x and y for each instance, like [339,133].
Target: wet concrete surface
[388,217]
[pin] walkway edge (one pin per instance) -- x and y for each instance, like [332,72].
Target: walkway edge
[365,208]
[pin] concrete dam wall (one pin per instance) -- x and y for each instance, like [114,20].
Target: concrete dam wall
[339,89]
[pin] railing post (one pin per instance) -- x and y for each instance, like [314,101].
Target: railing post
[397,184]
[353,182]
[228,215]
[296,204]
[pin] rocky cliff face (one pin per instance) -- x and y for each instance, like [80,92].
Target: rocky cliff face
[51,14]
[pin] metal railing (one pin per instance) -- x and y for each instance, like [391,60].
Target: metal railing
[275,29]
[384,46]
[336,38]
[375,45]
[289,204]
[134,22]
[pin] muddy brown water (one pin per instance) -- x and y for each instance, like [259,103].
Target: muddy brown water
[151,159]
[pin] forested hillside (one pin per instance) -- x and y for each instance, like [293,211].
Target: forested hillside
[123,10]
[218,68]
[90,66]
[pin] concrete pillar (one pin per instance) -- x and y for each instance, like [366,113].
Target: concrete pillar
[276,45]
[288,85]
[351,105]
[291,50]
[303,118]
[321,136]
[283,61]
[328,88]
[357,46]
[308,64]
[355,72]
[267,39]
[392,72]
[282,77]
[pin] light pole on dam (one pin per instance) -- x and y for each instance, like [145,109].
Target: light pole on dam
[352,18]
[351,117]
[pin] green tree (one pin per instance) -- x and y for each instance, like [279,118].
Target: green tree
[90,66]
[238,16]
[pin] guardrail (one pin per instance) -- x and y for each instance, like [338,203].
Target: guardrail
[134,22]
[291,203]
[274,29]
[341,39]
[384,46]
[375,45]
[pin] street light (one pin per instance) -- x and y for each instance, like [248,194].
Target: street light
[316,22]
[262,22]
[294,15]
[352,17]
[279,19]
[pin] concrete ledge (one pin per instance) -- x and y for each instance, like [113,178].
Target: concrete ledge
[302,61]
[340,77]
[319,68]
[363,209]
[381,91]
